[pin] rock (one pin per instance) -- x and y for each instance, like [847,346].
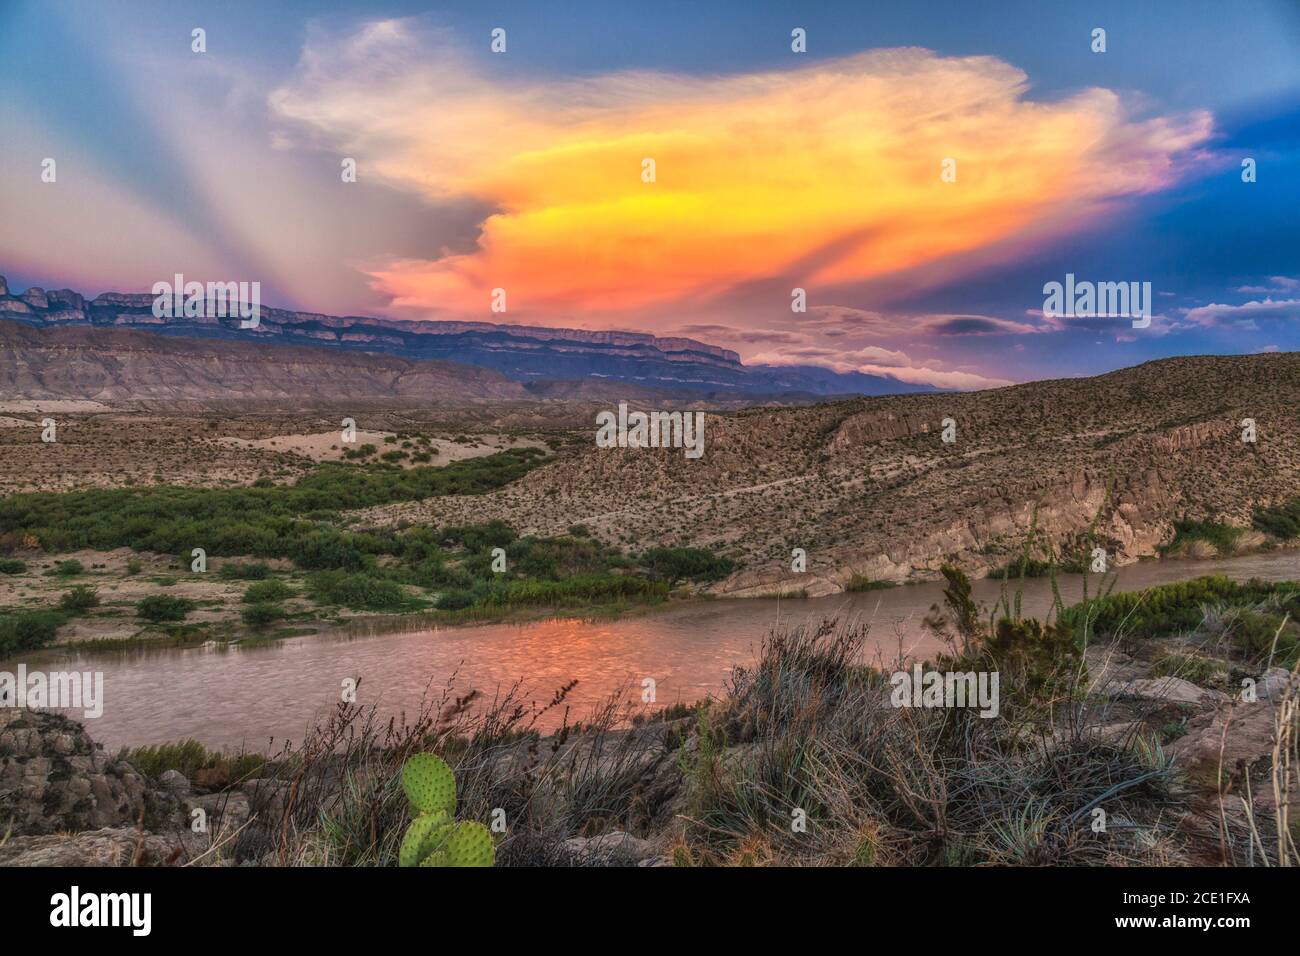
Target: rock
[613,849]
[174,781]
[109,846]
[266,797]
[1233,736]
[53,778]
[1274,684]
[1172,690]
[227,810]
[35,297]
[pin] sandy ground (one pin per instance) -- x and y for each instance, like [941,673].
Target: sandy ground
[329,446]
[119,592]
[52,405]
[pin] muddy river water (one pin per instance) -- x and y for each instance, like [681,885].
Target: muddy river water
[245,695]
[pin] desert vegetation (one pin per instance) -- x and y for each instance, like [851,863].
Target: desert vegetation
[804,758]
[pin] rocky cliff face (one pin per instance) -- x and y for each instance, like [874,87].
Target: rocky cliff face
[522,353]
[107,364]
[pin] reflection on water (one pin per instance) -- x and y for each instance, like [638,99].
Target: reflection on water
[246,696]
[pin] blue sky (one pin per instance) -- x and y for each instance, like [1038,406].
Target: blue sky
[221,166]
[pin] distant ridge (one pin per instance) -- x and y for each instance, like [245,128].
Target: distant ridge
[519,352]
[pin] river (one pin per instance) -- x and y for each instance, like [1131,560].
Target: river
[236,696]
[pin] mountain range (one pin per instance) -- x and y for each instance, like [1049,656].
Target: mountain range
[519,353]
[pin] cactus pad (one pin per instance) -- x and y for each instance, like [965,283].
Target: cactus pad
[429,784]
[426,832]
[470,844]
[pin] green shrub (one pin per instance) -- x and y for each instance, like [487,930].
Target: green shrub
[80,598]
[28,630]
[479,537]
[189,757]
[860,582]
[1026,567]
[69,569]
[1222,536]
[262,614]
[690,563]
[134,567]
[1281,521]
[244,571]
[360,592]
[456,600]
[271,589]
[158,608]
[12,566]
[264,522]
[1170,608]
[328,550]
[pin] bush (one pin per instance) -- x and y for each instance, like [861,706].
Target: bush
[28,630]
[1282,521]
[134,567]
[1170,608]
[691,563]
[360,592]
[244,571]
[479,537]
[69,569]
[262,614]
[456,600]
[328,550]
[158,608]
[80,598]
[189,757]
[860,582]
[1221,536]
[269,590]
[264,522]
[12,566]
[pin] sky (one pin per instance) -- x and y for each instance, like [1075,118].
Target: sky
[920,170]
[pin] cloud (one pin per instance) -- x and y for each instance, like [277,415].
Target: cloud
[978,325]
[827,174]
[879,361]
[1245,315]
[1275,284]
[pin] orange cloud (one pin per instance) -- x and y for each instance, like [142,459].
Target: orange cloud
[824,173]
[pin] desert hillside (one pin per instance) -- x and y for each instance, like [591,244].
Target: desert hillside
[105,364]
[868,487]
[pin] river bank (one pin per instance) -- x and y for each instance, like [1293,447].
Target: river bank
[1143,751]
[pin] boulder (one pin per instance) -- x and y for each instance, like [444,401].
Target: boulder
[109,846]
[54,779]
[173,781]
[1173,690]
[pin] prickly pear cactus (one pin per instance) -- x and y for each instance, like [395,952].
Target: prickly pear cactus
[429,784]
[434,838]
[426,832]
[470,844]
